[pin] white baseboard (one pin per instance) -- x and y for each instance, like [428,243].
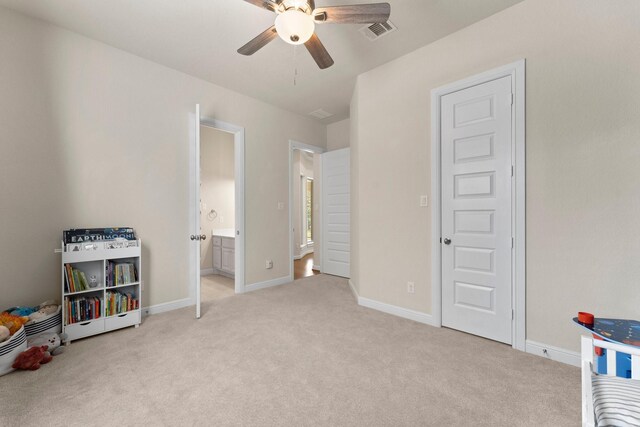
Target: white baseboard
[207,271]
[405,313]
[303,253]
[267,284]
[317,268]
[167,306]
[553,353]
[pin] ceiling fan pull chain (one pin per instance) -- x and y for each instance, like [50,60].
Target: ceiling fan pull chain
[295,65]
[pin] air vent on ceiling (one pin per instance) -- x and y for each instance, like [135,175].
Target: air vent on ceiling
[320,114]
[377,30]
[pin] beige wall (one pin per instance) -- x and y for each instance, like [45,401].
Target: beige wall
[217,192]
[583,128]
[93,136]
[338,135]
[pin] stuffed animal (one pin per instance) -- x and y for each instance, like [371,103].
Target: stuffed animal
[46,308]
[50,339]
[22,311]
[32,358]
[11,322]
[4,333]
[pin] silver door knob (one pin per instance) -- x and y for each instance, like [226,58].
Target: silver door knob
[192,237]
[446,241]
[203,237]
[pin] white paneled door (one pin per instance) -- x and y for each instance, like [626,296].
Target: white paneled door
[476,135]
[336,244]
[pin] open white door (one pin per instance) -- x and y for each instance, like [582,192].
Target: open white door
[336,211]
[194,182]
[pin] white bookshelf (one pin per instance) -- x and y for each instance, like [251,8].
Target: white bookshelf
[95,263]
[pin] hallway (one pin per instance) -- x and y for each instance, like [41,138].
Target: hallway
[303,267]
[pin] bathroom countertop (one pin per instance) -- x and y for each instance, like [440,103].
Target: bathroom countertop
[225,232]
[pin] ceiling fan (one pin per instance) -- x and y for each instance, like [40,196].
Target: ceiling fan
[295,24]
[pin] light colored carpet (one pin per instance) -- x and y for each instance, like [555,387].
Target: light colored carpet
[300,354]
[214,287]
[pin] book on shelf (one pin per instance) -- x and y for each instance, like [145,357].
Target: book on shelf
[75,280]
[82,309]
[120,302]
[121,273]
[80,235]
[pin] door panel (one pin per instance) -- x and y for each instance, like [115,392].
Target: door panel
[336,246]
[476,209]
[195,181]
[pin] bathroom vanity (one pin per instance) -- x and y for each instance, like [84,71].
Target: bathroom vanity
[224,252]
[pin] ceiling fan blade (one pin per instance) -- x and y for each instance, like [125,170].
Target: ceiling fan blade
[265,4]
[354,14]
[318,52]
[259,42]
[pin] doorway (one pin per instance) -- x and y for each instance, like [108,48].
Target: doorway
[478,194]
[305,220]
[217,214]
[216,226]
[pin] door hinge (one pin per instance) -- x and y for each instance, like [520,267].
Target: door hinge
[512,98]
[513,242]
[512,170]
[513,314]
[441,240]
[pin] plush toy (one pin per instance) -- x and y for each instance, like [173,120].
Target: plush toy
[44,311]
[50,339]
[32,358]
[4,333]
[11,322]
[22,311]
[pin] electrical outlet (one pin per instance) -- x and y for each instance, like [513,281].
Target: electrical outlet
[411,287]
[424,201]
[268,264]
[280,206]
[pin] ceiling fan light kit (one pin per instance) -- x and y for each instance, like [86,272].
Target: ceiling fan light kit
[295,24]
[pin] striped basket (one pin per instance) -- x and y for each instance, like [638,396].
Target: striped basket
[51,323]
[10,349]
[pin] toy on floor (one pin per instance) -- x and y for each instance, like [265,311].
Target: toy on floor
[32,358]
[50,339]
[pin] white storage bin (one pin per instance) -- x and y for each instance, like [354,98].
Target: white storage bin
[51,323]
[10,349]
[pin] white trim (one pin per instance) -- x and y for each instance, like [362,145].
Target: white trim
[316,267]
[517,72]
[553,353]
[167,306]
[295,145]
[267,284]
[405,313]
[207,271]
[303,253]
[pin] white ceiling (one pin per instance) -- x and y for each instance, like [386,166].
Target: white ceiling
[200,38]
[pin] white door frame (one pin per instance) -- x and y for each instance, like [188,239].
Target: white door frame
[516,71]
[295,145]
[239,177]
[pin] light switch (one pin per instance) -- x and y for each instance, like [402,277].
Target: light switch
[424,201]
